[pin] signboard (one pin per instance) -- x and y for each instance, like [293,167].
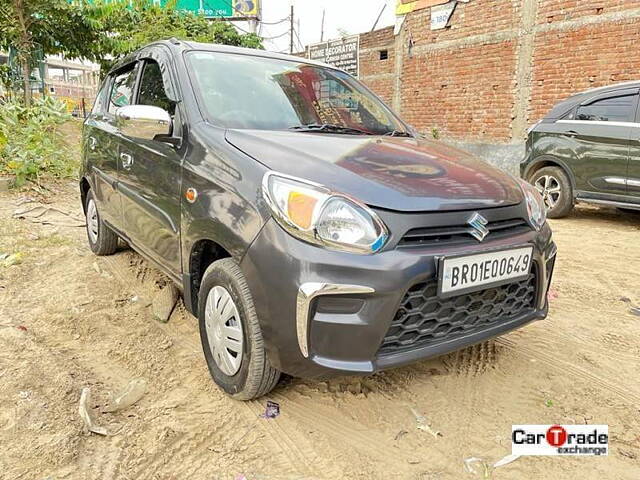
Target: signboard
[219,8]
[343,53]
[407,6]
[233,9]
[441,14]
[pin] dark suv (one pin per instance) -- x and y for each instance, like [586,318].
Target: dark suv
[310,230]
[587,149]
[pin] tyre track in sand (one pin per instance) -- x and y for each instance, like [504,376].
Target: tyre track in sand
[629,394]
[295,455]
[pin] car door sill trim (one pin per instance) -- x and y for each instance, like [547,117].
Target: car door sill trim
[610,203]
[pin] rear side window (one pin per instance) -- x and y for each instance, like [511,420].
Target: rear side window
[122,90]
[152,90]
[611,109]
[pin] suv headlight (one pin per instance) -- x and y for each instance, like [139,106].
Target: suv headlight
[535,205]
[313,213]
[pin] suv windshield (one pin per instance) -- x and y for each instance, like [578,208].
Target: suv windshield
[243,91]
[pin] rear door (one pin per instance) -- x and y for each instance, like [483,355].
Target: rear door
[601,129]
[150,175]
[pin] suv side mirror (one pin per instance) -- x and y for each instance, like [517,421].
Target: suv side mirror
[144,122]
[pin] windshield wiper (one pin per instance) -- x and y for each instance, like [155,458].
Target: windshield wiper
[328,128]
[397,133]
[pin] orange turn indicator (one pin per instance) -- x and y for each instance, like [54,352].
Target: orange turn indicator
[191,195]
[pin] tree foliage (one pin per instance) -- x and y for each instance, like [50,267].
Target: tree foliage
[102,30]
[134,26]
[50,26]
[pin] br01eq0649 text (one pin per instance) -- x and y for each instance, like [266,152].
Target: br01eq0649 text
[491,268]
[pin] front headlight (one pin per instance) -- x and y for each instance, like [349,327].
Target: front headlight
[313,213]
[535,205]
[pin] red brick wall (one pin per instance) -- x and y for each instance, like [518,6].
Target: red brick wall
[502,64]
[463,93]
[558,10]
[378,74]
[473,18]
[592,56]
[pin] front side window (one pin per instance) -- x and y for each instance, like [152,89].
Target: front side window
[122,90]
[242,91]
[100,100]
[612,109]
[152,90]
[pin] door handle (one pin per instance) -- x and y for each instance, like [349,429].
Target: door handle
[93,143]
[127,161]
[572,133]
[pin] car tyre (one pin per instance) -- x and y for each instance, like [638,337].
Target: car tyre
[225,305]
[555,187]
[102,240]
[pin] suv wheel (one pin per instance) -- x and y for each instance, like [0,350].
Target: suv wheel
[102,240]
[230,333]
[555,188]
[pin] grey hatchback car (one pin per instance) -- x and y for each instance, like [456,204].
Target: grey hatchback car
[311,231]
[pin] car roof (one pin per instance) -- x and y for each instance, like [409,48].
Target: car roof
[180,46]
[561,108]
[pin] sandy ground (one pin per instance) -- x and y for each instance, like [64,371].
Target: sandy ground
[70,320]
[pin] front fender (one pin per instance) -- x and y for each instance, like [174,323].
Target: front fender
[229,209]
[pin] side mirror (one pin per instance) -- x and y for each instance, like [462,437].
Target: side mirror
[144,122]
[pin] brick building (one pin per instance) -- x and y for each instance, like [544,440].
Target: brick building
[500,65]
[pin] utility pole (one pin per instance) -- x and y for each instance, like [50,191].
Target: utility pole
[322,26]
[378,19]
[291,32]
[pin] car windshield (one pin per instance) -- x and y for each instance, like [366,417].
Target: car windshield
[243,91]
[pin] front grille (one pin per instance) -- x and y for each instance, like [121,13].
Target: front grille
[461,234]
[424,319]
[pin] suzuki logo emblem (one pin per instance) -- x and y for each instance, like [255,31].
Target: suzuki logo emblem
[478,225]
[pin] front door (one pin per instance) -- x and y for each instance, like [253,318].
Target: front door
[633,170]
[101,143]
[150,180]
[601,130]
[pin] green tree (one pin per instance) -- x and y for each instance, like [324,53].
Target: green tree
[102,30]
[51,26]
[141,22]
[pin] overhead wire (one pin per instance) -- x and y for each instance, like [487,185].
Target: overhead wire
[276,36]
[298,38]
[285,19]
[261,23]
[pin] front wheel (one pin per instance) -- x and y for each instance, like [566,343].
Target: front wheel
[555,188]
[230,333]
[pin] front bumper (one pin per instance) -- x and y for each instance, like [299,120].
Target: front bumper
[325,312]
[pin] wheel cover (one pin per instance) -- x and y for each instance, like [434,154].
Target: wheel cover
[92,221]
[224,330]
[550,189]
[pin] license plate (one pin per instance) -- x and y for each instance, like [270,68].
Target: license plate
[461,274]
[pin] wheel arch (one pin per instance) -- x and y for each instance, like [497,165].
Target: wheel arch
[202,254]
[85,186]
[548,161]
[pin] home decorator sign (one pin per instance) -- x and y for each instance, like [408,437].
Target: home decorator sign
[342,53]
